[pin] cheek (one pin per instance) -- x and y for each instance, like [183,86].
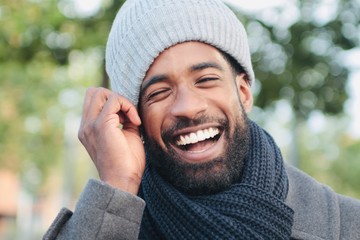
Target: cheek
[152,121]
[232,102]
[232,108]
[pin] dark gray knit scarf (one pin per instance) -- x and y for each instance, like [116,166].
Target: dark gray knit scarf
[252,209]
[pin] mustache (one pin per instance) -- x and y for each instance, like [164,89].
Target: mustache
[185,123]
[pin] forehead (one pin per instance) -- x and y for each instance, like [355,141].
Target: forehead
[184,55]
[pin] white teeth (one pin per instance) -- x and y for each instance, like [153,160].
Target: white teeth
[198,136]
[193,138]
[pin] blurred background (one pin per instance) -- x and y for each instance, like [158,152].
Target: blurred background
[306,59]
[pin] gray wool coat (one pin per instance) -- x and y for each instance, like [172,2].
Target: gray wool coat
[103,212]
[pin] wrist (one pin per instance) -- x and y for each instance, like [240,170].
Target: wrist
[126,184]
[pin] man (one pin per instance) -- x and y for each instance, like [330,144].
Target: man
[187,162]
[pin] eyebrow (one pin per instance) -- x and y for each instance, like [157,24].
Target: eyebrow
[204,65]
[153,80]
[193,68]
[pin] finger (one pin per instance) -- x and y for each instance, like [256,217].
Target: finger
[97,102]
[130,111]
[123,108]
[132,128]
[88,96]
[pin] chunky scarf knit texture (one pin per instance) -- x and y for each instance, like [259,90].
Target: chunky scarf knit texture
[251,209]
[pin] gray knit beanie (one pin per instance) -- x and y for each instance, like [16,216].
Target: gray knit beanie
[143,29]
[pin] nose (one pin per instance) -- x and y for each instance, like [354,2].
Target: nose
[188,103]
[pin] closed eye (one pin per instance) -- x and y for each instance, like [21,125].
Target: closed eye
[207,80]
[157,95]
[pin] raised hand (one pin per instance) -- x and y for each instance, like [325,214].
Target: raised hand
[109,131]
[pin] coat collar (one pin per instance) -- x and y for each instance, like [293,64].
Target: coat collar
[316,207]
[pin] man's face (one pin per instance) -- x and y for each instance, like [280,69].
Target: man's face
[193,112]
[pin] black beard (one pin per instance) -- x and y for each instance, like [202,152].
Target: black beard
[203,178]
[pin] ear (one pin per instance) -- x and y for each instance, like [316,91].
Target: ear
[245,93]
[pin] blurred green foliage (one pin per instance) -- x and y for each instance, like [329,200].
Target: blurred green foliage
[46,49]
[332,157]
[300,62]
[38,42]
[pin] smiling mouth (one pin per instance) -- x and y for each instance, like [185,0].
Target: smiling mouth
[198,141]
